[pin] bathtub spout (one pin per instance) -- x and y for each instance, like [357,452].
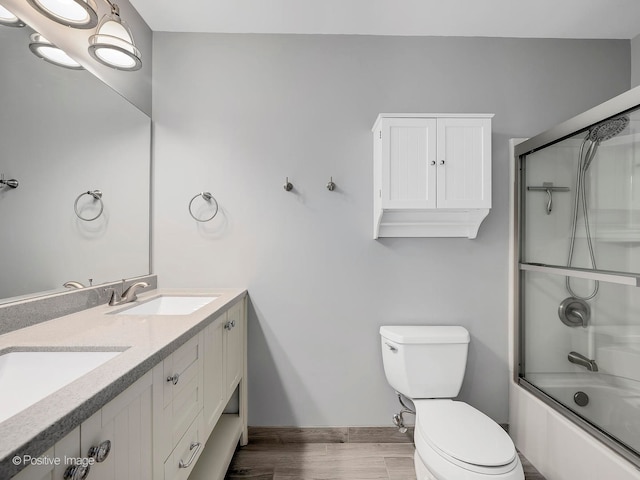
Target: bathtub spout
[579,359]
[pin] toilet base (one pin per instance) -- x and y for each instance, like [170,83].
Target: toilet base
[422,472]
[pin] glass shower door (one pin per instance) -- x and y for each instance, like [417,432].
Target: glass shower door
[579,269]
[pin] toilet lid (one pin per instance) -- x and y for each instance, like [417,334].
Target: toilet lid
[464,433]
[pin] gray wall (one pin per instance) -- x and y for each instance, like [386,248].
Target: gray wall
[635,61]
[235,114]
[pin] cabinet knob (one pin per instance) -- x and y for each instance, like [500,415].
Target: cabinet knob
[174,378]
[433,162]
[441,162]
[101,452]
[230,325]
[76,472]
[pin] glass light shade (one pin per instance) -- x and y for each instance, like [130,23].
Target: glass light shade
[9,19]
[112,45]
[72,13]
[43,48]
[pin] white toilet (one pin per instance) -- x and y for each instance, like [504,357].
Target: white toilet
[454,441]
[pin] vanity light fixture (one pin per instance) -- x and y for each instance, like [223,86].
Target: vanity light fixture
[9,19]
[112,45]
[46,50]
[72,13]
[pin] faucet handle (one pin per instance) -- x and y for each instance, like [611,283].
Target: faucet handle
[114,298]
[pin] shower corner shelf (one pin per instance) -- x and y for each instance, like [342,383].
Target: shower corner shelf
[432,174]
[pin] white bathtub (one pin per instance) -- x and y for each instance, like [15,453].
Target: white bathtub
[614,402]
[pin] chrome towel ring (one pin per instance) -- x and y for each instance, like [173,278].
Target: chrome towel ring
[97,195]
[206,196]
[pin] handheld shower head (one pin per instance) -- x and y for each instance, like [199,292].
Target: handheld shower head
[608,129]
[601,133]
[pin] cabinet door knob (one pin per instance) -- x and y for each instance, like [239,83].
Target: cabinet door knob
[76,472]
[441,162]
[174,378]
[101,452]
[195,445]
[433,162]
[230,325]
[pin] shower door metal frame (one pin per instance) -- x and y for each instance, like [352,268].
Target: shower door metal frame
[622,104]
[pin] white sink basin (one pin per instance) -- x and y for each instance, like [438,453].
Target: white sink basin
[168,305]
[27,377]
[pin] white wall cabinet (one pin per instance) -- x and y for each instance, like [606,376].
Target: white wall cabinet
[432,174]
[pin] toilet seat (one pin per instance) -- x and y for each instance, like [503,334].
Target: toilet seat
[463,436]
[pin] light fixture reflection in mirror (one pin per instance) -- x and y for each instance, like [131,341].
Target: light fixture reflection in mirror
[8,19]
[43,48]
[112,45]
[72,13]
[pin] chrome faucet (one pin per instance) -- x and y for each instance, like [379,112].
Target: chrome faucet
[579,359]
[129,295]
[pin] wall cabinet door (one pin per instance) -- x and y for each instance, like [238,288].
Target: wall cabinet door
[234,347]
[125,425]
[464,163]
[214,386]
[408,163]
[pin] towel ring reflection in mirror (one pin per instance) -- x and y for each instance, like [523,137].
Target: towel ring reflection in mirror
[97,195]
[206,196]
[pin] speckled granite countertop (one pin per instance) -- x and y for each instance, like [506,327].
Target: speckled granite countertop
[145,341]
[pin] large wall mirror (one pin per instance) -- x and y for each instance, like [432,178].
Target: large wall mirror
[64,133]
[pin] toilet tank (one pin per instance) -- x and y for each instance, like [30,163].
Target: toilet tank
[425,361]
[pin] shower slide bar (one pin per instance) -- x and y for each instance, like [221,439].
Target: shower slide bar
[629,279]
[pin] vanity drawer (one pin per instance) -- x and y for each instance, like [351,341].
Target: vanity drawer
[183,458]
[177,396]
[181,368]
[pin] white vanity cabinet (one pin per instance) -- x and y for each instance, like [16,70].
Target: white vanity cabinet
[193,436]
[116,440]
[177,402]
[432,174]
[67,447]
[225,371]
[125,423]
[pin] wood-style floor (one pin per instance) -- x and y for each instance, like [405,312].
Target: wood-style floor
[331,461]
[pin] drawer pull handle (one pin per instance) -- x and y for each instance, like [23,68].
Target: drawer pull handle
[195,445]
[174,378]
